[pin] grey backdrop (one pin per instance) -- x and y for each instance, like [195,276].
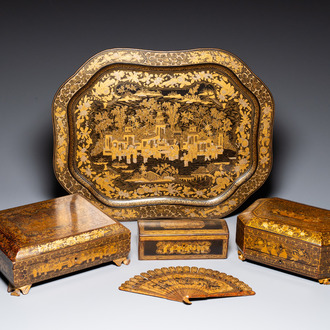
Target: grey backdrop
[286,43]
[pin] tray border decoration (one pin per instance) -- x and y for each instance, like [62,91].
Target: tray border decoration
[164,59]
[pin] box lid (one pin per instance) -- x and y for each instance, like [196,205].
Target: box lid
[182,227]
[291,219]
[46,226]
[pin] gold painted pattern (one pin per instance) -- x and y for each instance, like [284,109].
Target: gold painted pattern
[291,219]
[154,58]
[182,283]
[184,224]
[279,233]
[187,247]
[289,265]
[295,215]
[74,260]
[277,249]
[287,230]
[166,134]
[70,241]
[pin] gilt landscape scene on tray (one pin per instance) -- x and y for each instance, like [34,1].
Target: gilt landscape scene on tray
[167,132]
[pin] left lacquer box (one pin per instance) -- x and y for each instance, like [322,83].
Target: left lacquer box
[48,239]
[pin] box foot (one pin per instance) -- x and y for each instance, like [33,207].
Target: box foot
[240,255]
[17,291]
[120,261]
[325,281]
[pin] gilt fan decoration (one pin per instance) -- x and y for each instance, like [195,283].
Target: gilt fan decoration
[150,134]
[185,283]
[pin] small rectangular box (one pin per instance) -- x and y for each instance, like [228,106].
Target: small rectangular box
[286,235]
[183,239]
[56,237]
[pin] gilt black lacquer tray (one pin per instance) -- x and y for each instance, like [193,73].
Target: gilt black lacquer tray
[151,134]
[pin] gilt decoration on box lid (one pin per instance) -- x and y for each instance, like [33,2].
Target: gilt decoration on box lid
[291,219]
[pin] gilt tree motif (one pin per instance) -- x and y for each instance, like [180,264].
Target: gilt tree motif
[147,111]
[171,110]
[103,123]
[119,113]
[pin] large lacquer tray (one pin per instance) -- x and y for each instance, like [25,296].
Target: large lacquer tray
[151,134]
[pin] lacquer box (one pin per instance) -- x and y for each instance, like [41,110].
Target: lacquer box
[48,239]
[183,239]
[286,235]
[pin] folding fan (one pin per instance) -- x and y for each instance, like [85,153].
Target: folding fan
[184,283]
